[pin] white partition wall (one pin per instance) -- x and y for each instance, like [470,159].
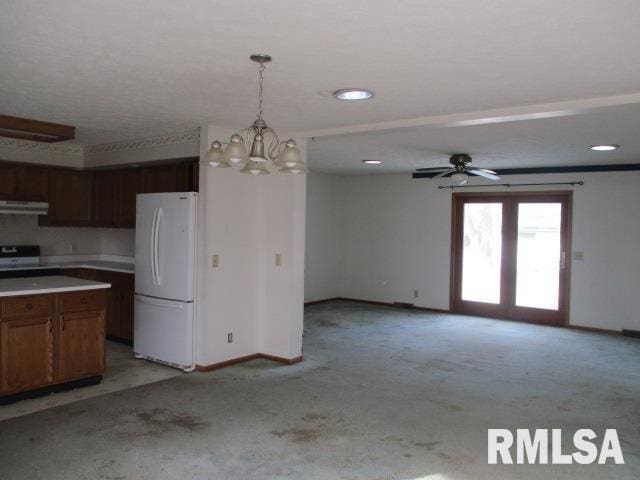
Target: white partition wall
[245,221]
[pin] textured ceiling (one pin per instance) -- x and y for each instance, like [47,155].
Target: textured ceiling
[123,69]
[526,143]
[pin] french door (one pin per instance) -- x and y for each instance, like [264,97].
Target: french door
[510,256]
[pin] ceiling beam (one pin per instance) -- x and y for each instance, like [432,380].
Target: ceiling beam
[35,130]
[484,117]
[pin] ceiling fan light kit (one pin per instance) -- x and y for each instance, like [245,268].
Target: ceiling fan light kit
[460,170]
[285,156]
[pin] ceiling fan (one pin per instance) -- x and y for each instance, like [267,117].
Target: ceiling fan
[460,169]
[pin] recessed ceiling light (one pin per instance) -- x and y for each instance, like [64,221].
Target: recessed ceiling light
[604,148]
[372,162]
[353,94]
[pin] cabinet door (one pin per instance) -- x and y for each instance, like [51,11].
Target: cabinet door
[131,184]
[112,315]
[9,175]
[34,184]
[105,199]
[26,353]
[195,176]
[82,345]
[127,306]
[70,198]
[161,178]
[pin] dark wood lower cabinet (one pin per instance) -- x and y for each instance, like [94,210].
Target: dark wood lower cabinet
[81,345]
[119,300]
[26,351]
[48,340]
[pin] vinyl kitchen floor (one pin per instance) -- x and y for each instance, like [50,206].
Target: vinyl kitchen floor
[123,371]
[382,394]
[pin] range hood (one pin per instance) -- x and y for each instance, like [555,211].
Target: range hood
[23,208]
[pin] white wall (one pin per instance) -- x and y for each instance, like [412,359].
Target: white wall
[24,230]
[246,220]
[397,238]
[324,238]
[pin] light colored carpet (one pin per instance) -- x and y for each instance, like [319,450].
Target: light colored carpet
[382,394]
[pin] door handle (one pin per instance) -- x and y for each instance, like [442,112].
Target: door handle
[152,243]
[157,247]
[563,260]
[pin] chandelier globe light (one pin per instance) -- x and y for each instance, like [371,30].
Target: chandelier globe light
[285,156]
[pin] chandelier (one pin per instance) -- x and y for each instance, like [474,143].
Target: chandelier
[285,156]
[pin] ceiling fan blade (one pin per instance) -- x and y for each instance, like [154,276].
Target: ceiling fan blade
[486,170]
[484,174]
[445,173]
[433,169]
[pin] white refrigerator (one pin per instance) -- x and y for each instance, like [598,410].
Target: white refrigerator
[165,256]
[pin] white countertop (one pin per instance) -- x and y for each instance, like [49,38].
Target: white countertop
[10,287]
[98,265]
[121,267]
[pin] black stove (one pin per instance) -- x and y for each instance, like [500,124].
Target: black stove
[23,261]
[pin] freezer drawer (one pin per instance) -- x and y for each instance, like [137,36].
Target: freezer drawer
[163,331]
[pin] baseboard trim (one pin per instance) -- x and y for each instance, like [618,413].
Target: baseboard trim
[594,329]
[402,306]
[631,333]
[405,306]
[246,358]
[316,302]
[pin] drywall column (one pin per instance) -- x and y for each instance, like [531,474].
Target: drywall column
[282,217]
[245,220]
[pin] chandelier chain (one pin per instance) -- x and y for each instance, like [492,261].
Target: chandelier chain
[260,94]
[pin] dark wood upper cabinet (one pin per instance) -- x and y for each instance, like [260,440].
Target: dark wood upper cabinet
[71,198]
[160,178]
[34,184]
[130,183]
[106,196]
[24,183]
[9,175]
[102,198]
[176,177]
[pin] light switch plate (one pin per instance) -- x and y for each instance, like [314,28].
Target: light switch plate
[578,255]
[278,259]
[215,261]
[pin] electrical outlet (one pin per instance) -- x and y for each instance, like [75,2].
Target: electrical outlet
[229,337]
[416,294]
[215,261]
[278,259]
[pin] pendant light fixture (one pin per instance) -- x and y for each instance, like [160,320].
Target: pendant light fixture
[286,156]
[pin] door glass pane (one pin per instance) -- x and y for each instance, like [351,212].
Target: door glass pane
[482,252]
[538,262]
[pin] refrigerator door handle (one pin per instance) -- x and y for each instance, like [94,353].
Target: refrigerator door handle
[158,302]
[157,247]
[152,242]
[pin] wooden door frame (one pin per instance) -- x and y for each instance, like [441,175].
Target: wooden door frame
[457,202]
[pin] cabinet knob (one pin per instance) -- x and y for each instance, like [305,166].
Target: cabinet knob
[29,306]
[83,301]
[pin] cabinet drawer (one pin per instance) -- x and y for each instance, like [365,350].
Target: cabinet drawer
[81,301]
[33,305]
